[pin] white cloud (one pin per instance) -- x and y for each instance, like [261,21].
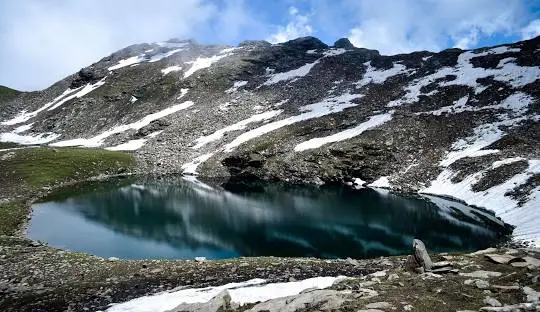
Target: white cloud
[532,30]
[44,41]
[298,26]
[409,25]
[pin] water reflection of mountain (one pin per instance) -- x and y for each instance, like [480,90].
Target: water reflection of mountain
[285,221]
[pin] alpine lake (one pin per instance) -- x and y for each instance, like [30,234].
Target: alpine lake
[184,218]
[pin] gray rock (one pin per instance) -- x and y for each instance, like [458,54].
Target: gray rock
[221,302]
[481,274]
[532,295]
[321,298]
[501,259]
[492,302]
[379,305]
[421,255]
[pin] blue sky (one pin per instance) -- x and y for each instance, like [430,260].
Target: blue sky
[46,40]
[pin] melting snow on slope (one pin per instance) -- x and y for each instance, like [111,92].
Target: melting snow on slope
[236,86]
[518,103]
[99,139]
[171,69]
[23,128]
[202,141]
[205,62]
[373,75]
[127,62]
[191,167]
[160,56]
[145,57]
[84,91]
[372,122]
[381,182]
[133,145]
[291,74]
[252,291]
[28,139]
[473,146]
[58,101]
[325,107]
[466,74]
[525,218]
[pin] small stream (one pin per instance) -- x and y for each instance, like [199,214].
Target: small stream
[178,218]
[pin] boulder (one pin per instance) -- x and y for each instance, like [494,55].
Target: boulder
[501,259]
[421,255]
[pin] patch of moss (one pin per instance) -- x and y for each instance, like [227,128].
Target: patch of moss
[12,214]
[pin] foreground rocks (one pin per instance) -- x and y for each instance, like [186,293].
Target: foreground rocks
[475,283]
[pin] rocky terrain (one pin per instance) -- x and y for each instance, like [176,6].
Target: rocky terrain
[460,124]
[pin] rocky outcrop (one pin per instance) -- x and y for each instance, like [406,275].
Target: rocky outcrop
[343,43]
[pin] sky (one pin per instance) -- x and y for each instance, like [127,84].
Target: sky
[43,41]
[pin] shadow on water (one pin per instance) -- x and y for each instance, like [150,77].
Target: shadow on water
[178,218]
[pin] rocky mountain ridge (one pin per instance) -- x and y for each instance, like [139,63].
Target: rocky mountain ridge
[460,124]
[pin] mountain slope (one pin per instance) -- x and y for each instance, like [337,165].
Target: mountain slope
[463,124]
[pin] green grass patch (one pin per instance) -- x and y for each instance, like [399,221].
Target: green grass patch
[7,94]
[12,214]
[38,167]
[28,170]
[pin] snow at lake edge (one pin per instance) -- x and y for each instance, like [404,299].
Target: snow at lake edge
[251,291]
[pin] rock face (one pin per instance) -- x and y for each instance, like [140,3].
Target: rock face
[343,43]
[462,124]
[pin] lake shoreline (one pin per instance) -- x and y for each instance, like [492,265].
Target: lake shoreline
[40,277]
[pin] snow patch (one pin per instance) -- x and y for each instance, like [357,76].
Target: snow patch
[473,145]
[372,122]
[84,91]
[526,218]
[236,86]
[467,75]
[23,128]
[183,93]
[252,291]
[291,74]
[28,139]
[334,52]
[381,182]
[325,107]
[203,62]
[202,141]
[373,75]
[160,56]
[61,99]
[99,139]
[506,161]
[190,168]
[133,145]
[171,69]
[127,62]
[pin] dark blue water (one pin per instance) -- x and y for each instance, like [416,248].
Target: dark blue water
[178,219]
